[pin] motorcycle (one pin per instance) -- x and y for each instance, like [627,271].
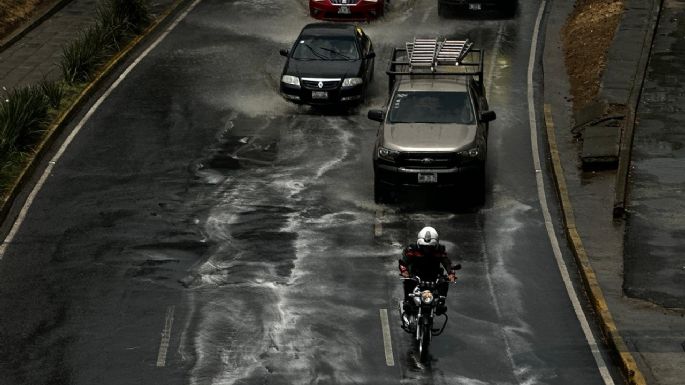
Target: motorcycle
[419,320]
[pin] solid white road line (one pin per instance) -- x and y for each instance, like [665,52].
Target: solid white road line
[493,61]
[387,342]
[542,196]
[166,336]
[29,201]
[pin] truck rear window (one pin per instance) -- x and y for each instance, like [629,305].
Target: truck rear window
[431,107]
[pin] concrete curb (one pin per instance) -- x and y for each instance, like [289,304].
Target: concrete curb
[626,146]
[58,126]
[33,23]
[627,363]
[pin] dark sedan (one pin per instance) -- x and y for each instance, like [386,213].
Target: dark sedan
[329,64]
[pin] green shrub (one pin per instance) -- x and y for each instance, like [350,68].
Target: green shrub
[53,91]
[81,57]
[116,21]
[112,23]
[134,14]
[122,18]
[23,116]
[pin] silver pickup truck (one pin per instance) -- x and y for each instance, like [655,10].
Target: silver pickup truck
[434,128]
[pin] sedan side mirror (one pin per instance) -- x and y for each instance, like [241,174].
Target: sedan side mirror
[377,115]
[371,55]
[488,116]
[283,52]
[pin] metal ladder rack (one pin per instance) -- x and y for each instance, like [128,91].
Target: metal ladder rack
[453,51]
[422,52]
[428,53]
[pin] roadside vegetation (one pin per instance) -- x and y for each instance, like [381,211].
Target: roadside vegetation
[587,36]
[15,12]
[26,113]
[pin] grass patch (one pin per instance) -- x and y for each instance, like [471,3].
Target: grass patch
[12,167]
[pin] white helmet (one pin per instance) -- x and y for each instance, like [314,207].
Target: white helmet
[428,236]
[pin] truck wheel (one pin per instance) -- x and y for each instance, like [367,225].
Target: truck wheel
[509,8]
[441,9]
[479,187]
[379,193]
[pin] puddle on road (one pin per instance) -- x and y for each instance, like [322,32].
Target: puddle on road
[245,142]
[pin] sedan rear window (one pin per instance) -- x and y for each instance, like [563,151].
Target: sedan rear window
[431,107]
[326,48]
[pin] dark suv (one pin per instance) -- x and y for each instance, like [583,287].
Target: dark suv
[434,129]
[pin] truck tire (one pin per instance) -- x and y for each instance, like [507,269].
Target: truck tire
[478,197]
[379,191]
[442,11]
[508,9]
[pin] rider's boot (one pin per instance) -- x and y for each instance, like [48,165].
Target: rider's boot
[405,308]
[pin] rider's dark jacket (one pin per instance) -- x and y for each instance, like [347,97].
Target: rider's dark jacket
[425,263]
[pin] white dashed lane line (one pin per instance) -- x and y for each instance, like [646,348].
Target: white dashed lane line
[387,341]
[166,336]
[378,223]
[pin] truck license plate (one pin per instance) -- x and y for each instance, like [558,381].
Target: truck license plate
[319,95]
[475,6]
[428,178]
[344,10]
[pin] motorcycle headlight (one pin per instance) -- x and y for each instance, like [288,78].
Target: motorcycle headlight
[387,154]
[471,152]
[426,297]
[289,79]
[351,82]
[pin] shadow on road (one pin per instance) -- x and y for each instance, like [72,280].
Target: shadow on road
[410,200]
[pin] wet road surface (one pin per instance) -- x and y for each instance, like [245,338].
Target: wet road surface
[202,230]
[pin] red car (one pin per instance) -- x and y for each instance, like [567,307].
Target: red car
[346,9]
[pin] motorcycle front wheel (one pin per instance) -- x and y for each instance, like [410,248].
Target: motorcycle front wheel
[423,339]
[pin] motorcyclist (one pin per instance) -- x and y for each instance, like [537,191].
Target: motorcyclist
[426,259]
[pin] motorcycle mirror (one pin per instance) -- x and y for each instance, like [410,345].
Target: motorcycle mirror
[457,266]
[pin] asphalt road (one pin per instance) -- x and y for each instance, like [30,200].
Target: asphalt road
[201,230]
